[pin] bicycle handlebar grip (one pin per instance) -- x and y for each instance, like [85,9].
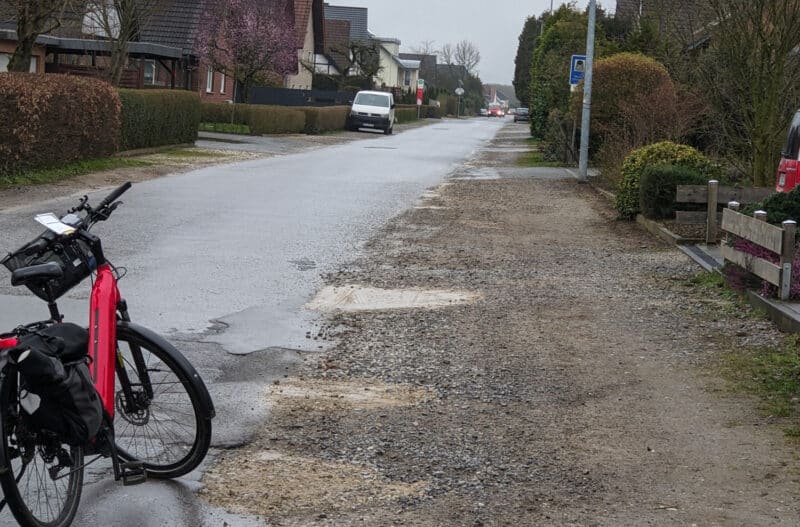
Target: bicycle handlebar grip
[114,195]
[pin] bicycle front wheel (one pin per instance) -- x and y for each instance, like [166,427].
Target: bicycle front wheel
[41,477]
[166,431]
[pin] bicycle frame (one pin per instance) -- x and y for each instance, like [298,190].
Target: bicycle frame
[105,298]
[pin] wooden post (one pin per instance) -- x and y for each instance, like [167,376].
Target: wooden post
[760,215]
[729,238]
[787,257]
[711,220]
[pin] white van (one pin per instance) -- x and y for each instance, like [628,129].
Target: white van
[372,109]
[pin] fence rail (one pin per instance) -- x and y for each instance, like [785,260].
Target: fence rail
[779,240]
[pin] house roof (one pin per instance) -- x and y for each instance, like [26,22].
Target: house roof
[303,11]
[175,24]
[427,67]
[337,41]
[357,16]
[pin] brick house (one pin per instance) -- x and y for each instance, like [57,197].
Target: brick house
[682,20]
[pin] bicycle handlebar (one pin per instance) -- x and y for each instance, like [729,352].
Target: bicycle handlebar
[115,194]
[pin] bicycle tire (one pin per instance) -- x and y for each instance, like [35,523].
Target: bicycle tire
[134,439]
[32,506]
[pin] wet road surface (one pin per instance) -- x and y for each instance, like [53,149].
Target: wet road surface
[221,260]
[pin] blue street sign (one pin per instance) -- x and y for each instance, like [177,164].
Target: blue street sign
[577,69]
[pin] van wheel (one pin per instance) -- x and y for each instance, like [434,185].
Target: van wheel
[389,130]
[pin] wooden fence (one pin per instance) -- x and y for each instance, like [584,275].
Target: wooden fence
[713,194]
[779,240]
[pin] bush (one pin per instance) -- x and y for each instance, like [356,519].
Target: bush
[48,120]
[325,119]
[260,119]
[658,185]
[405,113]
[158,117]
[433,112]
[780,207]
[627,200]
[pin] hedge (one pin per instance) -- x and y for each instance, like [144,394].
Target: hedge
[405,113]
[325,119]
[658,185]
[665,152]
[158,117]
[261,119]
[48,120]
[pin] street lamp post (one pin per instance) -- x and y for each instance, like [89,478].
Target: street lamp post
[583,165]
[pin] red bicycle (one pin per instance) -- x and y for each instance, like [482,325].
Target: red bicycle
[156,409]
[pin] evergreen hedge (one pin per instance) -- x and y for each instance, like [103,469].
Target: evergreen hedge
[158,117]
[658,185]
[48,120]
[325,118]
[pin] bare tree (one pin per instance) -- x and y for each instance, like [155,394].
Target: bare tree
[752,75]
[425,48]
[119,21]
[34,18]
[467,55]
[446,54]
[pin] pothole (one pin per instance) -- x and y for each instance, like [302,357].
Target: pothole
[329,395]
[268,483]
[360,298]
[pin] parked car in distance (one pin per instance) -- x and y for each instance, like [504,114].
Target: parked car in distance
[484,112]
[522,114]
[372,109]
[496,111]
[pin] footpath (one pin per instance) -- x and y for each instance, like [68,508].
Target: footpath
[508,353]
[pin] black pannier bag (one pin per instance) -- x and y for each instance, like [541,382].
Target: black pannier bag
[56,390]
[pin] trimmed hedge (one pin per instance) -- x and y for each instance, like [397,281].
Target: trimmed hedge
[48,120]
[658,185]
[325,119]
[665,152]
[261,119]
[406,113]
[158,117]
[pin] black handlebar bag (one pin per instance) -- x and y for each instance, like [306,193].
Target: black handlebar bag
[56,389]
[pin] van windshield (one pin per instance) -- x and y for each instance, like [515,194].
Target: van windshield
[372,99]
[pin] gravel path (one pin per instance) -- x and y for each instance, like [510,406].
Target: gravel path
[576,390]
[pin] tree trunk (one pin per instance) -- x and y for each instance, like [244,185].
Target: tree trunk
[119,60]
[26,38]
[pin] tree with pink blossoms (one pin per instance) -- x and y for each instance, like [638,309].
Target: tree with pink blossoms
[253,41]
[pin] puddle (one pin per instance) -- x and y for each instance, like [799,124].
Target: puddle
[477,173]
[358,298]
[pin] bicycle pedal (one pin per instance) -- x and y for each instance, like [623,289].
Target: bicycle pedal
[133,473]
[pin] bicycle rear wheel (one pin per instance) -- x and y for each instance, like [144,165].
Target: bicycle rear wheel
[167,432]
[41,477]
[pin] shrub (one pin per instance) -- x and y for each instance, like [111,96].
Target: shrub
[780,207]
[48,120]
[264,120]
[260,119]
[433,112]
[627,199]
[658,185]
[158,117]
[325,119]
[405,113]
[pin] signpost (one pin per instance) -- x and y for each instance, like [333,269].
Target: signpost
[420,88]
[459,92]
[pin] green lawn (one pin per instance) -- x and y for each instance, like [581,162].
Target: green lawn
[49,175]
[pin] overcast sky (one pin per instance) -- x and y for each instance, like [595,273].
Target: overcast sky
[492,25]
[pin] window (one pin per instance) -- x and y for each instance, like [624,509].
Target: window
[210,80]
[5,58]
[222,83]
[150,72]
[407,78]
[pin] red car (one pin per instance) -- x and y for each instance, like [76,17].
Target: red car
[496,112]
[787,177]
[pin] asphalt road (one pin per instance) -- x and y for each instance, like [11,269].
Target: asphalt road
[222,260]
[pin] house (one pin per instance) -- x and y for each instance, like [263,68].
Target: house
[681,20]
[337,44]
[309,25]
[427,67]
[164,54]
[395,73]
